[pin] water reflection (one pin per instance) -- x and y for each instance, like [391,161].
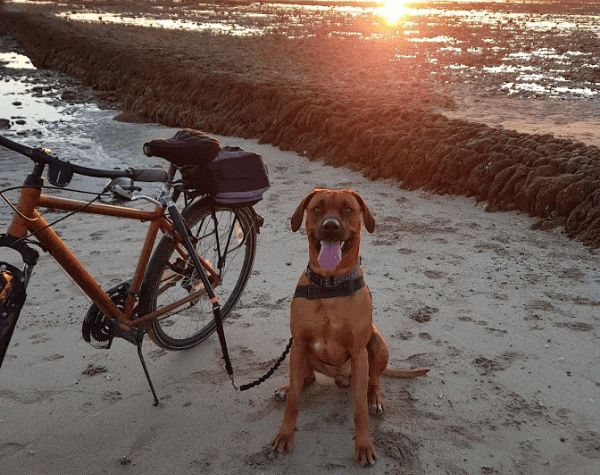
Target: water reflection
[15,61]
[231,27]
[489,42]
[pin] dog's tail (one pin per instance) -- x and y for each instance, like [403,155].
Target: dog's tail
[405,373]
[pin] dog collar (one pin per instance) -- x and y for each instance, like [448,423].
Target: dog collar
[329,282]
[329,287]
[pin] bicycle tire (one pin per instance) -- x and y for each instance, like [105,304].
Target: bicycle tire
[170,276]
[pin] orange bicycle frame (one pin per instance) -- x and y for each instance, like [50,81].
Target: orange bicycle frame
[28,219]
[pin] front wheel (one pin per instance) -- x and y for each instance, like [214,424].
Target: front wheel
[225,242]
[12,299]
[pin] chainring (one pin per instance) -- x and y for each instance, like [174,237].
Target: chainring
[99,330]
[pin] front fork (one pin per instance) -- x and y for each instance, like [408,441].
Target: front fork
[30,255]
[13,286]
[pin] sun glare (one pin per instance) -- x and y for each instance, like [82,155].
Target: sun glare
[393,10]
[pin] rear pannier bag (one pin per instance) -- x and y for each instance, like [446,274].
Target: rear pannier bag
[234,177]
[186,147]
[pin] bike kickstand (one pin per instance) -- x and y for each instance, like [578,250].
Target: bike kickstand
[141,356]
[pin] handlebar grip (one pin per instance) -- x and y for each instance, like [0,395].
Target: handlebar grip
[149,174]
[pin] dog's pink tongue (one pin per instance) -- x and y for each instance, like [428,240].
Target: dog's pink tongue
[330,255]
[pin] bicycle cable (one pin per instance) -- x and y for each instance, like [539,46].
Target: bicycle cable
[11,205]
[62,218]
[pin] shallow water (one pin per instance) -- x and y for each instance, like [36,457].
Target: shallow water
[81,133]
[16,60]
[69,130]
[529,49]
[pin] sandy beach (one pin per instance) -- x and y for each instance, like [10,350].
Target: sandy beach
[502,308]
[505,317]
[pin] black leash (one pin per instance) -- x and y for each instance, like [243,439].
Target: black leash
[229,368]
[180,227]
[262,379]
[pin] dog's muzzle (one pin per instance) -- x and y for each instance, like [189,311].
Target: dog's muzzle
[331,241]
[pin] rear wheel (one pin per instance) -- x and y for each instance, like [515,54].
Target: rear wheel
[225,242]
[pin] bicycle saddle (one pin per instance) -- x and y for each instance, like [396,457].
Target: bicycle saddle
[186,147]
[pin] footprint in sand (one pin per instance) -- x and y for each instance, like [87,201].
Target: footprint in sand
[588,445]
[577,326]
[432,274]
[97,235]
[39,338]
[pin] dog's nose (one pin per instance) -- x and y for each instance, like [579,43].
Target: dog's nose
[331,224]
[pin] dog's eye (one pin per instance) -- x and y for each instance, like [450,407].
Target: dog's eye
[317,209]
[348,210]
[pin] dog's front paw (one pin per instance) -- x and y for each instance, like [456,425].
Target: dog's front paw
[364,454]
[283,442]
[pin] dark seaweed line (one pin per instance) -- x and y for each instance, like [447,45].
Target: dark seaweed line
[557,180]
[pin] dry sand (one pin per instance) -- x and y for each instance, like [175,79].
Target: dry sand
[505,317]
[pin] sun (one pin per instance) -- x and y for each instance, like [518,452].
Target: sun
[392,10]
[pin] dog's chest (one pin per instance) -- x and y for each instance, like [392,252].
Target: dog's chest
[329,328]
[330,343]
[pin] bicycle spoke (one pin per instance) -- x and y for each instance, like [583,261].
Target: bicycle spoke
[225,242]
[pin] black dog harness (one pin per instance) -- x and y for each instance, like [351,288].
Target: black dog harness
[329,287]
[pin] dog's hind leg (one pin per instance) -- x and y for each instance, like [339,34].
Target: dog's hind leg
[309,378]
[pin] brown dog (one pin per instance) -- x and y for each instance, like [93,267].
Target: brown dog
[331,317]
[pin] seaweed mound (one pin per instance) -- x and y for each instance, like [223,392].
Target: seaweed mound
[324,98]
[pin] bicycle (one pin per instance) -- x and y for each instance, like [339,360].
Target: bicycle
[206,249]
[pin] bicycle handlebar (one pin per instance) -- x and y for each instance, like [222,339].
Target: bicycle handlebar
[38,155]
[149,174]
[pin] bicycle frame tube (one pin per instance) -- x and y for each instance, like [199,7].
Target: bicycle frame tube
[33,222]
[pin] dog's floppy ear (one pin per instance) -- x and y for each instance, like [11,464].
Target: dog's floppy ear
[296,219]
[368,217]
